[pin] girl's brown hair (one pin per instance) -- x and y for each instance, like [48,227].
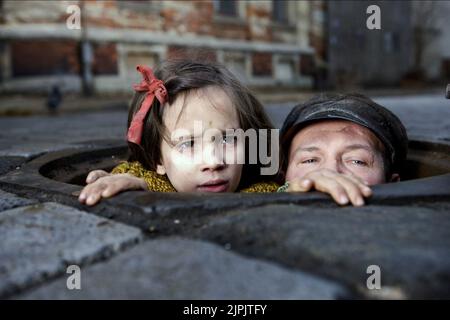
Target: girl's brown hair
[181,76]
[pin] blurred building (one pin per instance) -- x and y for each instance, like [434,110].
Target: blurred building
[432,32]
[360,56]
[265,43]
[412,46]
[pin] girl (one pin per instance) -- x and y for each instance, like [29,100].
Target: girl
[170,121]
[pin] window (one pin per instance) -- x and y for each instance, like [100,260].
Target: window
[44,57]
[225,7]
[285,69]
[445,68]
[360,39]
[307,64]
[391,42]
[396,41]
[237,64]
[280,11]
[262,64]
[105,59]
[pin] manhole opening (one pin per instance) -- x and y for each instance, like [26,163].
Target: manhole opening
[425,159]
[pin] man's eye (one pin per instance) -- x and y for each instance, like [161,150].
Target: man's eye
[358,162]
[309,161]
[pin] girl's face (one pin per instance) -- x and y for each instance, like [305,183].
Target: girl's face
[200,156]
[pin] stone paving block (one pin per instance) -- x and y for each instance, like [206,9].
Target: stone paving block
[10,201]
[411,245]
[10,163]
[177,268]
[39,242]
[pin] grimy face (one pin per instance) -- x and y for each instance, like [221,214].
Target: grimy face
[195,158]
[338,145]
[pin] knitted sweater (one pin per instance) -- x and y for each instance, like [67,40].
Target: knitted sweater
[159,183]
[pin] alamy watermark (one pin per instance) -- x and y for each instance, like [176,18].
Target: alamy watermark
[73,281]
[73,22]
[231,146]
[373,22]
[374,280]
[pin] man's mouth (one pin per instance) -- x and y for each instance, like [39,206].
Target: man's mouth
[217,185]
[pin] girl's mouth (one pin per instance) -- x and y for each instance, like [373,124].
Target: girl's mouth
[214,186]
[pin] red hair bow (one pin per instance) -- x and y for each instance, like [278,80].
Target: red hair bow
[154,88]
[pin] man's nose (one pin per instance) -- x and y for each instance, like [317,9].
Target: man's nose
[333,165]
[213,157]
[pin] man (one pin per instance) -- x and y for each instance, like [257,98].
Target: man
[341,144]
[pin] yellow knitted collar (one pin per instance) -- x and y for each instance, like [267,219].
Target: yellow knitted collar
[159,183]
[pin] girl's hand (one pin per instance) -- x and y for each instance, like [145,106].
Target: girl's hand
[101,184]
[343,188]
[95,174]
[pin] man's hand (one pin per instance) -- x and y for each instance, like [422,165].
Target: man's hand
[102,184]
[343,188]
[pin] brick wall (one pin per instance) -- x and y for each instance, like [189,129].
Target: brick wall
[200,54]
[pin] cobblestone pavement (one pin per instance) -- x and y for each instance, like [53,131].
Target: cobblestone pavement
[175,246]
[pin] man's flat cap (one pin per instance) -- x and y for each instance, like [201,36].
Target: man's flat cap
[356,108]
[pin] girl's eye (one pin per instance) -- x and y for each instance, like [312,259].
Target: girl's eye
[186,145]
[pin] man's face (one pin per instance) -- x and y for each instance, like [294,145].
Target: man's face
[338,145]
[196,159]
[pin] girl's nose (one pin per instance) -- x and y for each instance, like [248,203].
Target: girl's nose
[213,157]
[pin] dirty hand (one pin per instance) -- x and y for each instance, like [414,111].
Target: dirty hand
[101,184]
[343,188]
